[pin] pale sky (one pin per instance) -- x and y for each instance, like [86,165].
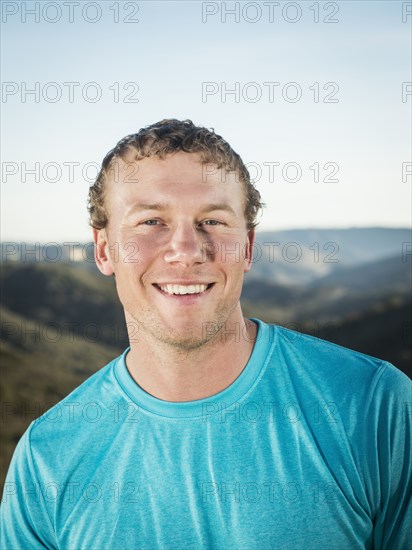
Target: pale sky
[339,102]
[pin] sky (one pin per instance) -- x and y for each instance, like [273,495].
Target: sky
[315,96]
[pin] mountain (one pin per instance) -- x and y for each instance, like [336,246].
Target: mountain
[378,276]
[298,257]
[77,301]
[345,292]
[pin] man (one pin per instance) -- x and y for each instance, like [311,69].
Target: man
[211,430]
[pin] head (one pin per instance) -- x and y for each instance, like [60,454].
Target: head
[173,213]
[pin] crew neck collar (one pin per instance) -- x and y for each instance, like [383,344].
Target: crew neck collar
[265,341]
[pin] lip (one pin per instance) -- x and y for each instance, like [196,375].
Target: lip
[185,299]
[185,282]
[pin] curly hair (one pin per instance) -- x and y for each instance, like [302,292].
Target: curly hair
[167,137]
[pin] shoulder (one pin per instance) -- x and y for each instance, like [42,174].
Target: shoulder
[334,369]
[80,412]
[347,397]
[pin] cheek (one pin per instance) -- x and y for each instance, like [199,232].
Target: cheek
[145,251]
[131,252]
[233,254]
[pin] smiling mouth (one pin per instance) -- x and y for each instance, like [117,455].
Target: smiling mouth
[178,290]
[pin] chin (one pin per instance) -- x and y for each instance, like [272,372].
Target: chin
[185,334]
[185,339]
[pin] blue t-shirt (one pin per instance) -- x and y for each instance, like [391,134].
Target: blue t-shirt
[309,448]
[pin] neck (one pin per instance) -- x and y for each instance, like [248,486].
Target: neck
[172,374]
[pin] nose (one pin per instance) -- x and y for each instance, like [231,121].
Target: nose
[185,246]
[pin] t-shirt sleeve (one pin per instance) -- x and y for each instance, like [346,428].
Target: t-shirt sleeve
[24,522]
[390,409]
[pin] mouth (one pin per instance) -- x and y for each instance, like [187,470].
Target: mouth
[172,289]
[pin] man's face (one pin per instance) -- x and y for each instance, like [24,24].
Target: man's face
[178,244]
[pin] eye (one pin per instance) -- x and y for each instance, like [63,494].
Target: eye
[150,222]
[211,222]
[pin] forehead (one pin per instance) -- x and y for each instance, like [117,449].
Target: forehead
[180,174]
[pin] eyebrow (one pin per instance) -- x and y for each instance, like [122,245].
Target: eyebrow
[146,206]
[164,206]
[219,206]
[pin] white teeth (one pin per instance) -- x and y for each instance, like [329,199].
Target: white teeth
[183,289]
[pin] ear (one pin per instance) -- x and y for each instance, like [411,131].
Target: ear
[249,250]
[102,252]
